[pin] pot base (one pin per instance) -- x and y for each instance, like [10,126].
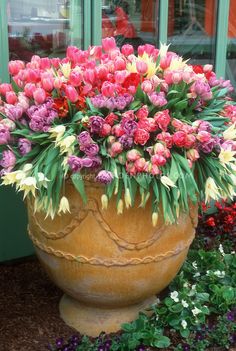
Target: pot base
[90,320]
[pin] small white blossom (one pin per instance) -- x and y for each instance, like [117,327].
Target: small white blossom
[194,264]
[184,303]
[232,252]
[221,250]
[186,285]
[196,311]
[219,274]
[184,324]
[174,296]
[196,275]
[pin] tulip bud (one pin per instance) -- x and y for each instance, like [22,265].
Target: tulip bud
[11,97]
[120,207]
[128,201]
[104,201]
[71,93]
[141,67]
[154,219]
[39,95]
[127,49]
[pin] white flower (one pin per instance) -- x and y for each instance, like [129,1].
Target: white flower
[196,311]
[196,275]
[57,132]
[120,207]
[193,287]
[194,264]
[163,49]
[66,144]
[184,324]
[128,201]
[186,285]
[230,133]
[227,156]
[221,250]
[211,190]
[28,185]
[174,296]
[42,180]
[66,69]
[167,182]
[219,274]
[184,303]
[64,205]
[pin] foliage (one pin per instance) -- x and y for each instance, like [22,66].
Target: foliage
[196,312]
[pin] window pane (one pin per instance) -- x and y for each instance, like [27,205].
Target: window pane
[41,27]
[231,50]
[191,29]
[130,22]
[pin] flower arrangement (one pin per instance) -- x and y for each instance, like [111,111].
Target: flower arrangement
[148,123]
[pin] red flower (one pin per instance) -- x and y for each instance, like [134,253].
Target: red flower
[61,105]
[211,222]
[141,136]
[133,79]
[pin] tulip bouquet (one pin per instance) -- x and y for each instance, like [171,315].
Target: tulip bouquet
[146,124]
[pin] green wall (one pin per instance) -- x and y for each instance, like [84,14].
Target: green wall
[14,241]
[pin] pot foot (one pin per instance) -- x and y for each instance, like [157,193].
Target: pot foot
[90,320]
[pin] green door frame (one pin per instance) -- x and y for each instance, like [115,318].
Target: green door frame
[13,241]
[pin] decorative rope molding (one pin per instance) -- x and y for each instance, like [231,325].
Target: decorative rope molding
[110,261]
[93,207]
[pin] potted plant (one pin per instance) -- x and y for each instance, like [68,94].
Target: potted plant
[113,151]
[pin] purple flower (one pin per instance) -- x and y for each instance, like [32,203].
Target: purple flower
[96,123]
[4,135]
[13,112]
[84,138]
[158,99]
[41,116]
[230,316]
[8,160]
[229,145]
[204,126]
[208,147]
[24,146]
[98,101]
[126,141]
[104,177]
[96,161]
[90,150]
[129,126]
[87,162]
[75,163]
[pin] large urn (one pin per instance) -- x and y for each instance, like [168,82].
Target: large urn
[109,266]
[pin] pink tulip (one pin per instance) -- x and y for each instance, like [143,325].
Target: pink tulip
[119,64]
[133,155]
[192,155]
[143,112]
[120,76]
[55,61]
[147,87]
[106,130]
[57,83]
[15,66]
[102,72]
[75,78]
[176,77]
[23,101]
[95,52]
[127,49]
[116,148]
[139,164]
[4,88]
[203,136]
[39,95]
[71,93]
[141,67]
[108,44]
[47,82]
[158,160]
[108,89]
[89,76]
[45,63]
[11,97]
[29,89]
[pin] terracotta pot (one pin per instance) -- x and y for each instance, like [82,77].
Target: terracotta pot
[109,266]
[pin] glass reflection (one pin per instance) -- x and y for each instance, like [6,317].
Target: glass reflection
[191,29]
[39,27]
[130,21]
[231,49]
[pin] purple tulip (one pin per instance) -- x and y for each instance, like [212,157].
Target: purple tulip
[13,112]
[87,162]
[24,145]
[126,141]
[129,126]
[104,177]
[75,163]
[90,150]
[84,138]
[4,135]
[96,123]
[8,160]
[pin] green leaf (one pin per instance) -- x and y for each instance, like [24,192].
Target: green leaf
[163,341]
[79,185]
[128,327]
[77,117]
[181,105]
[184,333]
